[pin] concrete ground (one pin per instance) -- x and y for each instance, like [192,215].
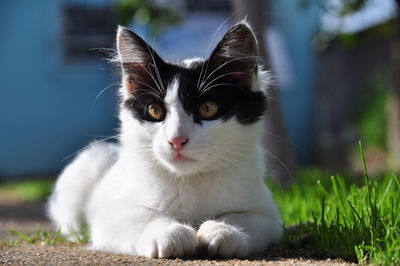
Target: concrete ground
[29,217]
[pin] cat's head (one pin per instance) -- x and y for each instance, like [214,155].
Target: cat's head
[196,116]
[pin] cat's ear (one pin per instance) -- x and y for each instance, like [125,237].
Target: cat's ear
[237,52]
[138,60]
[133,49]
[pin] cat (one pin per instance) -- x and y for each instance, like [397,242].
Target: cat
[188,172]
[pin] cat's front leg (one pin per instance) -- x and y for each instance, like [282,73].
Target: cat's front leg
[166,239]
[238,234]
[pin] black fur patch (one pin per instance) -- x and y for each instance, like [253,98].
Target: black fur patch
[234,97]
[225,78]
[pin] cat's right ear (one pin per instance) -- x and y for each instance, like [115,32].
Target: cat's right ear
[133,49]
[136,57]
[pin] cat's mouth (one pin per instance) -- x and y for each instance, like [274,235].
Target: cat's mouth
[182,158]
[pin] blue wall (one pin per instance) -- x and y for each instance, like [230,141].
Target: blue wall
[298,22]
[46,104]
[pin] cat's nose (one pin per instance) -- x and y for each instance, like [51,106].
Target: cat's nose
[178,142]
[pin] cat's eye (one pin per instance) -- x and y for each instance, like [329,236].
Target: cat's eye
[208,110]
[156,112]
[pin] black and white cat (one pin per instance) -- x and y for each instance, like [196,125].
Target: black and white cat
[188,172]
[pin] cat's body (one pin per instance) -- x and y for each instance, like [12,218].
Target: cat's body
[189,169]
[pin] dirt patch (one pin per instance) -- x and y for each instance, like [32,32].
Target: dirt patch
[80,255]
[28,218]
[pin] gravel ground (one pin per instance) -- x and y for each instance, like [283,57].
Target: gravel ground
[28,218]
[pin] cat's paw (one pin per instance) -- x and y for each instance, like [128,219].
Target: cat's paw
[222,240]
[174,241]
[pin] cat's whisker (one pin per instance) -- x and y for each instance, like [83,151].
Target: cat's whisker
[237,163]
[225,155]
[237,147]
[221,76]
[88,146]
[148,71]
[249,150]
[287,141]
[103,90]
[138,97]
[216,85]
[227,62]
[268,153]
[151,92]
[208,49]
[113,159]
[152,77]
[235,151]
[151,51]
[158,76]
[116,136]
[222,164]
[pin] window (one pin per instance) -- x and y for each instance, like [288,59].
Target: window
[88,30]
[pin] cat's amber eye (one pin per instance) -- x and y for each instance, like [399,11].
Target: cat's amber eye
[156,112]
[208,110]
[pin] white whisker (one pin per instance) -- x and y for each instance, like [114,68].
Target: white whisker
[103,90]
[215,85]
[287,141]
[152,77]
[221,76]
[227,62]
[89,145]
[208,49]
[280,162]
[151,51]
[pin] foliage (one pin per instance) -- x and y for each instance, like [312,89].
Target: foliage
[370,113]
[351,6]
[157,18]
[29,190]
[340,219]
[39,237]
[45,237]
[81,237]
[353,40]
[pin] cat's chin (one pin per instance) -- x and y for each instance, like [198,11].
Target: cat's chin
[183,166]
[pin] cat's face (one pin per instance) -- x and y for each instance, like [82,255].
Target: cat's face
[196,116]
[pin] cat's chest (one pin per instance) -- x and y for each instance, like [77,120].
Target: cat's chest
[205,199]
[192,201]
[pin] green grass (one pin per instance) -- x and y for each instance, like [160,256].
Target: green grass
[29,190]
[337,218]
[40,237]
[45,237]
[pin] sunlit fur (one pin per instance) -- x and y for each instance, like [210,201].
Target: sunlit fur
[138,199]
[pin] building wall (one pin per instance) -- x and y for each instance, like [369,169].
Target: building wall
[47,103]
[47,108]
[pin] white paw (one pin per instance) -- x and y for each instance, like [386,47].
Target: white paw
[176,240]
[222,240]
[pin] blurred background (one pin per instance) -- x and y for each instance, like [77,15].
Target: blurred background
[336,67]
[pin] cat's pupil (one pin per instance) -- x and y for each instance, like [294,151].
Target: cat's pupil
[208,110]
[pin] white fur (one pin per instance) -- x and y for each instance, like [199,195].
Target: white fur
[75,184]
[150,204]
[189,62]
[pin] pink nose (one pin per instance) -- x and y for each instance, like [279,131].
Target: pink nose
[178,142]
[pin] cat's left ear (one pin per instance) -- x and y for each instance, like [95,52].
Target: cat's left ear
[138,61]
[238,48]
